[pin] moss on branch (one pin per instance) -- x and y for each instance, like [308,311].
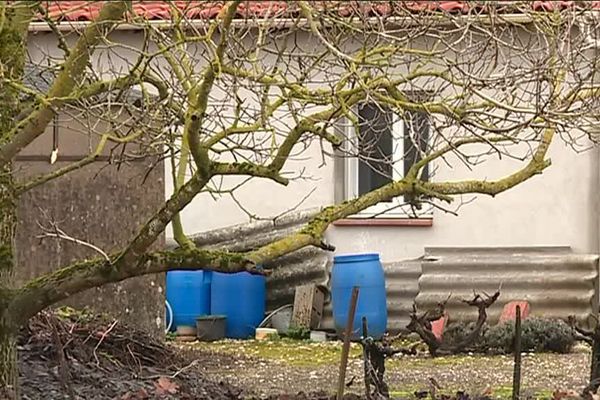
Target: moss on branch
[71,72]
[50,288]
[199,97]
[248,169]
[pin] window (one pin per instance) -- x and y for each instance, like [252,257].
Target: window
[384,147]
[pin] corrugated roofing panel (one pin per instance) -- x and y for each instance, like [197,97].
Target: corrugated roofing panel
[555,281]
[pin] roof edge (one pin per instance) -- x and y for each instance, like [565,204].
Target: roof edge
[70,26]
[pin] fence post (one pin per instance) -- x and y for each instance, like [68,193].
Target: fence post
[517,370]
[366,361]
[346,346]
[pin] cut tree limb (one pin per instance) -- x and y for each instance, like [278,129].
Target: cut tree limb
[421,324]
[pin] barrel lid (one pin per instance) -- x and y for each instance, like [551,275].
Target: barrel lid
[344,258]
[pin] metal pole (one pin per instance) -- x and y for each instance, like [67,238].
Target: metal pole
[346,346]
[517,371]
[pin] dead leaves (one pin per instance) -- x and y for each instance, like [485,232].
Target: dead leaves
[162,387]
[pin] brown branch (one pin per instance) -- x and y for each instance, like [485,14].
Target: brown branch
[50,288]
[57,233]
[31,183]
[248,169]
[482,305]
[71,72]
[199,98]
[581,334]
[421,324]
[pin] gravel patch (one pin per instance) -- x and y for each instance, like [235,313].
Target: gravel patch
[262,369]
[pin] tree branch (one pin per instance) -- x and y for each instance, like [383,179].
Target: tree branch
[72,71]
[58,233]
[199,98]
[31,183]
[48,289]
[248,169]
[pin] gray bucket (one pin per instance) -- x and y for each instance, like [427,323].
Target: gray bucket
[210,327]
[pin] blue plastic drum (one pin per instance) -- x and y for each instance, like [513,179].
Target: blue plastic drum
[241,297]
[366,272]
[188,294]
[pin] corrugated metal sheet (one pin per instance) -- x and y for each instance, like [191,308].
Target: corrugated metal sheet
[555,281]
[244,237]
[401,281]
[301,267]
[305,266]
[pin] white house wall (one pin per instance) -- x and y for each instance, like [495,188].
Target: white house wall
[558,208]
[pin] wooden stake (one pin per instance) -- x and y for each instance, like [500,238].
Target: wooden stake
[366,360]
[517,371]
[346,346]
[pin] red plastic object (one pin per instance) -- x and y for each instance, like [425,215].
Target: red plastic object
[509,313]
[437,327]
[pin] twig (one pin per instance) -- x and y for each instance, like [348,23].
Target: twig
[190,365]
[174,375]
[421,324]
[60,234]
[104,334]
[133,357]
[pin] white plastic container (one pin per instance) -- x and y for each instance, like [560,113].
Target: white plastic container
[265,333]
[318,336]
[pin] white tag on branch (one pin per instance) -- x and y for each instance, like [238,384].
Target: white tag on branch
[53,156]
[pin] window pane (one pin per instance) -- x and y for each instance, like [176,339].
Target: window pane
[375,143]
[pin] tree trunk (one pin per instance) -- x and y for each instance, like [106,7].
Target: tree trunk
[13,36]
[9,373]
[8,331]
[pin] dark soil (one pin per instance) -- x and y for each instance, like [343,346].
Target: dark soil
[77,356]
[72,356]
[101,359]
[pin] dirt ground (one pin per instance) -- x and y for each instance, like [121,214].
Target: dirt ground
[282,366]
[79,356]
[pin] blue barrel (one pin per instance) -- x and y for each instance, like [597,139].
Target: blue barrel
[366,272]
[241,298]
[188,294]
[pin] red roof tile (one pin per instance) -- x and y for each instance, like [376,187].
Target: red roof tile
[161,10]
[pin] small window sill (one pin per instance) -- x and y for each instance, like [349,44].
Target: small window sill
[417,222]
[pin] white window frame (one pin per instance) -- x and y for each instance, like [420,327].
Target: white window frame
[396,208]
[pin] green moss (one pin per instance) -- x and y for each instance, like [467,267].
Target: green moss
[302,353]
[6,257]
[452,361]
[405,391]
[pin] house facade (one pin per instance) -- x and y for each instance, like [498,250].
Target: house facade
[558,208]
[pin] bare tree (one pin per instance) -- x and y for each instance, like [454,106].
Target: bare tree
[240,98]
